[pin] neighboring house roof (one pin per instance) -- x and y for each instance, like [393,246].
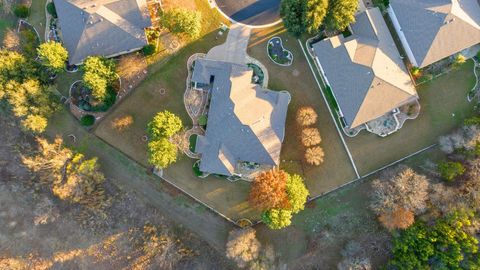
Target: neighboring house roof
[365,70]
[246,123]
[102,27]
[435,29]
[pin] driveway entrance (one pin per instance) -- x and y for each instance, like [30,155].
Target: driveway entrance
[251,12]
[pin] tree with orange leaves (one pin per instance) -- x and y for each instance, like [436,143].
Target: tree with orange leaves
[268,190]
[399,218]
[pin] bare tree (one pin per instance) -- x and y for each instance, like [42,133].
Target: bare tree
[464,194]
[314,155]
[400,187]
[465,138]
[69,175]
[243,246]
[306,116]
[354,258]
[310,137]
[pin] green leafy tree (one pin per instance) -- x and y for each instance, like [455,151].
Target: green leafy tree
[448,244]
[315,12]
[161,153]
[35,123]
[292,13]
[31,102]
[297,193]
[99,73]
[277,218]
[21,11]
[164,125]
[14,67]
[451,170]
[341,14]
[182,21]
[53,55]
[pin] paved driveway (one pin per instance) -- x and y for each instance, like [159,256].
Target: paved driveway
[251,12]
[234,49]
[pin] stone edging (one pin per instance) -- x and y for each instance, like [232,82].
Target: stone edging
[477,77]
[283,48]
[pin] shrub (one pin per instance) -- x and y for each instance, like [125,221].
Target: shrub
[306,116]
[310,137]
[277,218]
[314,155]
[148,49]
[202,120]
[51,9]
[87,120]
[415,71]
[21,11]
[451,170]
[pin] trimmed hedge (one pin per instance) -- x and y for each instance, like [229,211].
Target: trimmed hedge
[148,50]
[87,120]
[51,9]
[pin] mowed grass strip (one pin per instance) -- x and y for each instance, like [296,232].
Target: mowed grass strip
[299,81]
[444,107]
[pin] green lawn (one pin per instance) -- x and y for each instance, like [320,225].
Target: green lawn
[444,106]
[4,24]
[37,17]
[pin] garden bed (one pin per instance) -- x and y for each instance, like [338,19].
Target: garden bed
[258,75]
[277,53]
[81,97]
[29,38]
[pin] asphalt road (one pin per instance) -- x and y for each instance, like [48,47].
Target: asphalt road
[251,12]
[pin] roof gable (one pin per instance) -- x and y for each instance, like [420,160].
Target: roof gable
[245,121]
[436,29]
[102,27]
[375,80]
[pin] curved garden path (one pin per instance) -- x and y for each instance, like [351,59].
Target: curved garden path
[194,110]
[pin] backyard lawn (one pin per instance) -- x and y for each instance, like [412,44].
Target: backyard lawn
[4,24]
[444,107]
[298,80]
[37,17]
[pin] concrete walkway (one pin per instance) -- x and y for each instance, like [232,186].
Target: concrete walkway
[234,49]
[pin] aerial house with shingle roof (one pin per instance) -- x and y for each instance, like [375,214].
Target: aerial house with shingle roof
[102,27]
[365,73]
[246,122]
[431,30]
